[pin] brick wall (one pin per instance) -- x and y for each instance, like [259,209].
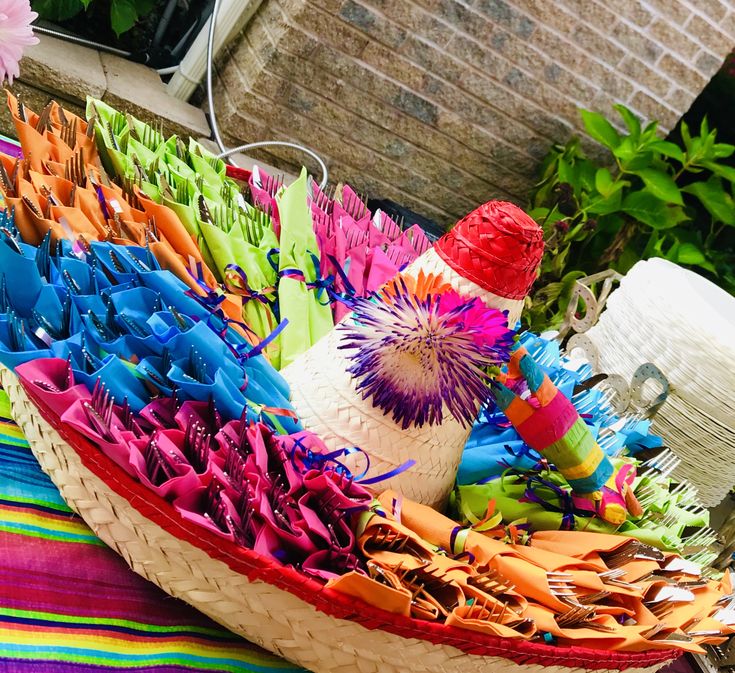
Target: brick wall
[442,104]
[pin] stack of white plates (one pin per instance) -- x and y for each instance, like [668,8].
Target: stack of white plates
[685,325]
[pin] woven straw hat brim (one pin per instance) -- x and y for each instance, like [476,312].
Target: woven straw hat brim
[274,606]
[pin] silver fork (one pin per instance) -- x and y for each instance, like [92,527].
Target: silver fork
[215,508]
[660,608]
[606,439]
[196,445]
[74,170]
[589,599]
[561,585]
[664,463]
[97,422]
[182,192]
[128,419]
[197,367]
[157,466]
[46,385]
[68,133]
[615,576]
[43,119]
[491,582]
[575,617]
[128,186]
[699,541]
[8,184]
[684,491]
[103,402]
[17,330]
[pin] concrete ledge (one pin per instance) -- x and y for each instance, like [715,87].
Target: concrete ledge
[69,73]
[54,65]
[139,90]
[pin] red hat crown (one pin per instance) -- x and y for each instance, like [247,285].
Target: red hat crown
[497,246]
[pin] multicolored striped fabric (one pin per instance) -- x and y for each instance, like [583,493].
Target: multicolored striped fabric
[550,424]
[70,604]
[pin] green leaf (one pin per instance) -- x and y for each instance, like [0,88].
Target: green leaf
[587,172]
[86,3]
[661,185]
[627,260]
[694,151]
[650,248]
[603,181]
[600,129]
[727,172]
[649,133]
[671,150]
[631,121]
[676,215]
[560,260]
[123,15]
[625,150]
[57,10]
[723,150]
[688,253]
[569,172]
[639,161]
[685,135]
[673,252]
[646,208]
[608,205]
[714,198]
[704,127]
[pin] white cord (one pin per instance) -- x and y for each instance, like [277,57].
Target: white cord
[225,153]
[210,91]
[282,143]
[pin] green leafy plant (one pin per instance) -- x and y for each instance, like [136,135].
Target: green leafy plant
[655,199]
[123,13]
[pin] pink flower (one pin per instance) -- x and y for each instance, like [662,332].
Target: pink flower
[15,34]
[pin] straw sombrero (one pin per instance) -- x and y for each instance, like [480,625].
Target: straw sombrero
[493,254]
[273,605]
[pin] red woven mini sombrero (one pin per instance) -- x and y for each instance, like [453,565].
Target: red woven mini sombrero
[497,246]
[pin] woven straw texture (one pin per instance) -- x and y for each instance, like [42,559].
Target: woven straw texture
[497,246]
[684,325]
[431,262]
[324,396]
[275,619]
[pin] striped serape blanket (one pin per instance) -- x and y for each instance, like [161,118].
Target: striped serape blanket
[69,604]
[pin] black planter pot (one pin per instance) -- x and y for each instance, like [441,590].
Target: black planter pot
[160,39]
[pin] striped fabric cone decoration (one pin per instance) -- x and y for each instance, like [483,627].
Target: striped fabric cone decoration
[548,422]
[500,248]
[493,254]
